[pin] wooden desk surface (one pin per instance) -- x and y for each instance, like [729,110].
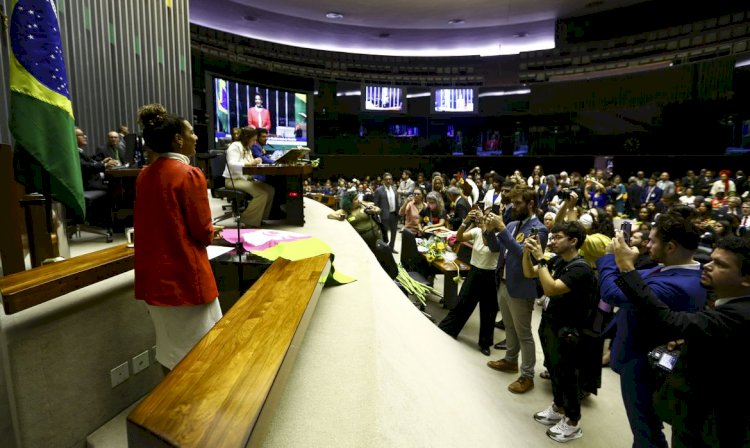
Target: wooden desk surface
[279,170]
[123,172]
[23,290]
[215,395]
[446,267]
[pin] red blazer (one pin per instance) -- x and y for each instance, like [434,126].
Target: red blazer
[265,118]
[173,227]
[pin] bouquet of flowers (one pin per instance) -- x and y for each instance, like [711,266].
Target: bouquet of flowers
[434,248]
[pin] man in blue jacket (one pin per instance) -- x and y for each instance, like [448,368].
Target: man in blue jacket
[516,293]
[700,415]
[676,282]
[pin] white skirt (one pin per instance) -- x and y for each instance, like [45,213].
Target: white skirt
[179,328]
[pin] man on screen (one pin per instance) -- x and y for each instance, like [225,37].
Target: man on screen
[259,116]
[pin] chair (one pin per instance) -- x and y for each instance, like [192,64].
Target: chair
[238,199]
[384,256]
[411,259]
[94,206]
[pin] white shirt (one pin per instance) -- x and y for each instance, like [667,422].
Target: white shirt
[176,156]
[237,157]
[391,198]
[720,302]
[481,256]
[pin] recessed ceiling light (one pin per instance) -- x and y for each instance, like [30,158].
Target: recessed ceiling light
[521,34]
[594,4]
[334,15]
[384,35]
[250,18]
[456,22]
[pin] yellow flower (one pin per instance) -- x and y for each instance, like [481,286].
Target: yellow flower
[430,258]
[441,246]
[426,219]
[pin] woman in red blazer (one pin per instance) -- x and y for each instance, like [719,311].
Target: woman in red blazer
[173,222]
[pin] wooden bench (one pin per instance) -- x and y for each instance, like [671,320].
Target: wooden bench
[224,391]
[23,290]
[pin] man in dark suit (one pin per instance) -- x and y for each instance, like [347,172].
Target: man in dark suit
[701,415]
[95,190]
[386,197]
[651,193]
[112,151]
[672,242]
[516,293]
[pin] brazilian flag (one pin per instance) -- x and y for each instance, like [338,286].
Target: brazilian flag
[41,115]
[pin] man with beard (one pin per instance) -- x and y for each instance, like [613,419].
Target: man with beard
[700,415]
[676,282]
[516,293]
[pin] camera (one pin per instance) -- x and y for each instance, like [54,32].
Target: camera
[663,358]
[534,231]
[627,229]
[564,194]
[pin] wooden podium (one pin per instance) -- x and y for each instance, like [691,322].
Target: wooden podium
[287,180]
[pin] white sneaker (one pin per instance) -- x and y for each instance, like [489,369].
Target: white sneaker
[563,431]
[549,416]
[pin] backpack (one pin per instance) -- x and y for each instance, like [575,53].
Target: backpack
[593,323]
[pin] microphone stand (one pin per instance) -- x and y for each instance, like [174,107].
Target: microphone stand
[239,248]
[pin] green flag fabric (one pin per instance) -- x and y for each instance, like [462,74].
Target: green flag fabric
[41,114]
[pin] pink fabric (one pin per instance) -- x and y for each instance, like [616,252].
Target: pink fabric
[261,239]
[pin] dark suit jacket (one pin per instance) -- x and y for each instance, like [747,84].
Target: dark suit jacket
[519,287]
[702,415]
[679,288]
[459,213]
[90,172]
[655,196]
[108,151]
[381,200]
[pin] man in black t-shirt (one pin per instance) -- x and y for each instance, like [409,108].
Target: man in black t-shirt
[570,285]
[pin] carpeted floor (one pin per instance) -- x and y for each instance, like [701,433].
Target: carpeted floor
[372,371]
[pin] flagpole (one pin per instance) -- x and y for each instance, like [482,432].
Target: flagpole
[47,192]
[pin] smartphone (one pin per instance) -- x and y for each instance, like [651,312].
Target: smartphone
[626,228]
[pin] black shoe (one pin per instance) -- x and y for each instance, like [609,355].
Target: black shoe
[502,345]
[500,324]
[485,351]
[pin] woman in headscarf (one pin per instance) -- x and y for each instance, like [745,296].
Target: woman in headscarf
[361,216]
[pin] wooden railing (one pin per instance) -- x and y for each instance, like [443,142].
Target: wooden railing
[23,290]
[224,391]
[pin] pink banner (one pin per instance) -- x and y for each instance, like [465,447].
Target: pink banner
[261,239]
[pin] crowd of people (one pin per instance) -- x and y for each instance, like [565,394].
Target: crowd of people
[678,276]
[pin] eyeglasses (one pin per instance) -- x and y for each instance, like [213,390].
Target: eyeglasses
[558,237]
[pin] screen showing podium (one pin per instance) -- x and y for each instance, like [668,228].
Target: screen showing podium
[239,104]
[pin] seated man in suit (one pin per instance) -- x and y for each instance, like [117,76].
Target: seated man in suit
[113,151]
[92,171]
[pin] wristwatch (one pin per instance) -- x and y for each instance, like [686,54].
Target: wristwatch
[542,263]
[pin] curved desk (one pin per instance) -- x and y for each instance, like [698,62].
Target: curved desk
[287,180]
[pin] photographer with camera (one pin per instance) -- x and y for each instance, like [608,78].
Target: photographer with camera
[479,286]
[676,282]
[570,285]
[700,416]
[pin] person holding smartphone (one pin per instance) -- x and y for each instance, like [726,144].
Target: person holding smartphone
[569,285]
[479,286]
[700,416]
[676,282]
